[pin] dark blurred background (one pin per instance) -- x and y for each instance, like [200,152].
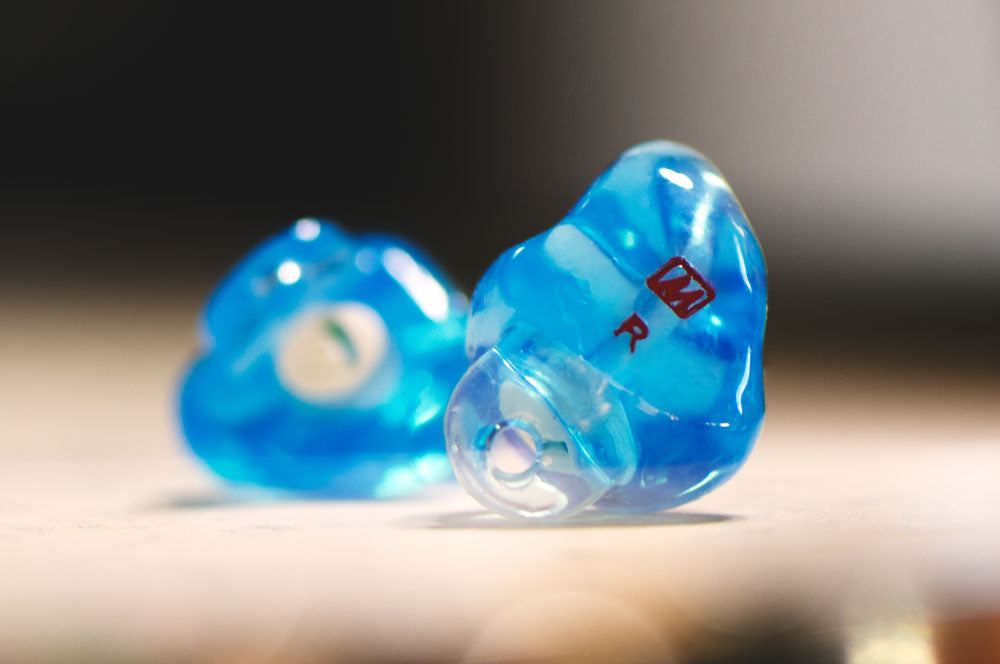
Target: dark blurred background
[147,145]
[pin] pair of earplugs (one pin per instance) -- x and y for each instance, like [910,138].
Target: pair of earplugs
[614,360]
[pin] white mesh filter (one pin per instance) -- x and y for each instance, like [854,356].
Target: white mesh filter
[328,353]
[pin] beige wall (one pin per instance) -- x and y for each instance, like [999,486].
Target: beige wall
[861,129]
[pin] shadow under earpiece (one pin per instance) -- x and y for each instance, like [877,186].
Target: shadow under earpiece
[246,496]
[212,500]
[586,519]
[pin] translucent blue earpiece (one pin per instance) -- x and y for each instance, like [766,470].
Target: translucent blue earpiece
[326,364]
[616,358]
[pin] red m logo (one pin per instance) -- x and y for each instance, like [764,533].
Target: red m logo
[672,282]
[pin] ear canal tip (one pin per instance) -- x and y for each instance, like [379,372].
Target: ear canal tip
[529,439]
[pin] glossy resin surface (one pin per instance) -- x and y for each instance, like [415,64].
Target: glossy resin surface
[616,358]
[327,361]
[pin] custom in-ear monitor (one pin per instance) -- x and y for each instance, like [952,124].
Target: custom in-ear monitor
[326,364]
[616,358]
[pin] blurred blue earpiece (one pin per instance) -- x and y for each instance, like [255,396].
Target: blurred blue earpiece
[326,364]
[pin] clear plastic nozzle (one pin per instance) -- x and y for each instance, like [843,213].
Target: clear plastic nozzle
[535,431]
